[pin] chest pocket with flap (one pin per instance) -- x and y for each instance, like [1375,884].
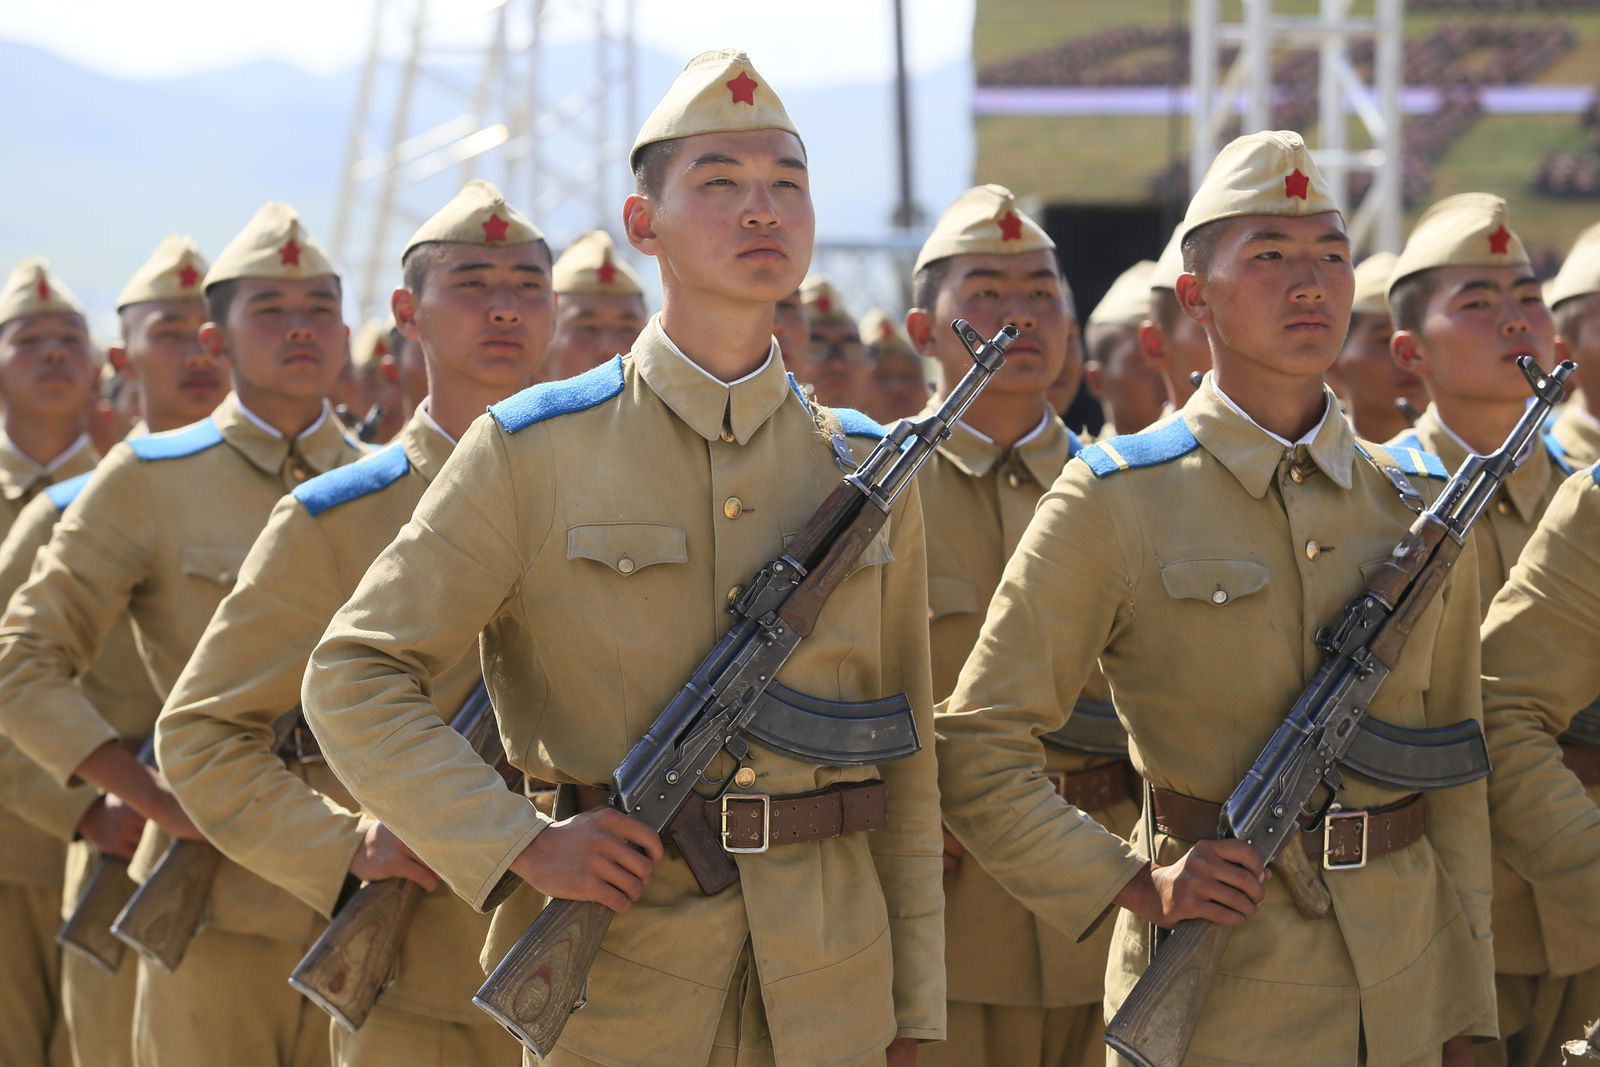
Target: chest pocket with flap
[628,547]
[211,562]
[1216,581]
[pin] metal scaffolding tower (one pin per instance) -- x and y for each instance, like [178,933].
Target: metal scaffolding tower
[538,96]
[1341,93]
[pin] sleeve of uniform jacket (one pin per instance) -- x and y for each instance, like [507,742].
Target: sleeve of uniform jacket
[56,623]
[1541,664]
[1063,594]
[214,737]
[367,691]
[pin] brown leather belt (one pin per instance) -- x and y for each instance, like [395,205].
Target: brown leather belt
[755,822]
[1346,839]
[1583,762]
[1097,788]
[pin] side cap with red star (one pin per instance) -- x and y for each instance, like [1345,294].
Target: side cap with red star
[1169,265]
[273,244]
[1580,271]
[173,272]
[1127,302]
[477,215]
[32,290]
[590,265]
[370,344]
[1265,173]
[881,334]
[718,92]
[822,301]
[1464,230]
[1372,284]
[984,220]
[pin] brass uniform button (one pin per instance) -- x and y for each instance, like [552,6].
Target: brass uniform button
[625,565]
[1013,480]
[1296,475]
[1503,507]
[1313,550]
[298,472]
[733,507]
[745,778]
[727,435]
[1219,597]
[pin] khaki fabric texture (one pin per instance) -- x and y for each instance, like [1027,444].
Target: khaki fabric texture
[1372,284]
[1169,265]
[1127,302]
[477,215]
[1580,271]
[823,301]
[300,830]
[984,220]
[1578,432]
[590,265]
[977,501]
[717,92]
[1192,583]
[1464,230]
[1270,172]
[1019,1037]
[598,584]
[32,1029]
[174,271]
[99,1010]
[390,1037]
[31,289]
[273,244]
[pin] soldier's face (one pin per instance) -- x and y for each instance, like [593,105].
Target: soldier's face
[590,329]
[733,218]
[1477,322]
[1026,291]
[1181,347]
[1372,379]
[180,381]
[45,368]
[837,363]
[1584,348]
[485,314]
[1125,382]
[1277,294]
[287,337]
[899,385]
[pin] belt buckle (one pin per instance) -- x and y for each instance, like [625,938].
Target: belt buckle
[1334,812]
[1058,779]
[766,821]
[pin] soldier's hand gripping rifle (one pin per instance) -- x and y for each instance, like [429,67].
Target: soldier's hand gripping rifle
[732,699]
[1328,733]
[164,912]
[87,930]
[354,959]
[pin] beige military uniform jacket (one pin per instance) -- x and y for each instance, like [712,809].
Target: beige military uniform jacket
[594,530]
[1578,434]
[158,533]
[1197,560]
[976,502]
[299,830]
[1539,668]
[31,815]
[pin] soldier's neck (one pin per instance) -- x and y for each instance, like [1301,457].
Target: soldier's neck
[1377,421]
[1287,405]
[1482,425]
[1004,418]
[289,415]
[454,405]
[726,339]
[43,439]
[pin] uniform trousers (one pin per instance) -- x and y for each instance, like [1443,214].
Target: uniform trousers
[99,1009]
[229,1002]
[391,1036]
[1000,1035]
[32,1030]
[1538,1014]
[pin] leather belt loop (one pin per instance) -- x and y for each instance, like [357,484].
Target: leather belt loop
[1583,762]
[1346,840]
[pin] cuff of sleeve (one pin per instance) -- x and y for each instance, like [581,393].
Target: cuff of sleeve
[491,889]
[64,753]
[58,811]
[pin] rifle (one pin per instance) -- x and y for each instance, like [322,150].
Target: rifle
[164,912]
[732,699]
[354,959]
[1588,1046]
[87,930]
[1328,733]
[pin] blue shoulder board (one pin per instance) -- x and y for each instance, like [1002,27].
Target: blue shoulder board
[1074,444]
[1144,449]
[1558,454]
[366,475]
[175,444]
[1594,472]
[1407,454]
[63,493]
[1409,439]
[549,399]
[858,425]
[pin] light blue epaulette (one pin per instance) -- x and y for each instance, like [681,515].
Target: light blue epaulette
[1147,448]
[1408,455]
[63,493]
[175,444]
[549,399]
[1558,454]
[353,480]
[851,421]
[1594,472]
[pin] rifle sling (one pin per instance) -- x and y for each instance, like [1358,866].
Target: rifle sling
[1584,730]
[1092,728]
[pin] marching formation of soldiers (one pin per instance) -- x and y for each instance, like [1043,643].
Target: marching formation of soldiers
[236,645]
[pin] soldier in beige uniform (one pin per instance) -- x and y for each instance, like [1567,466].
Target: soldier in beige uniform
[1196,561]
[1540,673]
[1365,376]
[1130,391]
[599,307]
[1574,299]
[161,359]
[1170,341]
[837,362]
[159,533]
[478,295]
[594,530]
[1021,994]
[45,381]
[898,386]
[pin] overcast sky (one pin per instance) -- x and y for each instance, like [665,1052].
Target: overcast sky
[819,41]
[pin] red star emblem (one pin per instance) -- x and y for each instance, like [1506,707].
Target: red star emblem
[824,305]
[42,287]
[188,276]
[494,229]
[289,254]
[1010,227]
[1296,184]
[885,331]
[607,271]
[380,349]
[1500,241]
[743,89]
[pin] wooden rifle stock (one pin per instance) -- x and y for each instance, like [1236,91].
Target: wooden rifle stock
[542,980]
[163,914]
[1156,1022]
[87,930]
[353,960]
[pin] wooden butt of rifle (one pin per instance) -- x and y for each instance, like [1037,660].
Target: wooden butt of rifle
[162,916]
[353,961]
[544,977]
[87,931]
[1157,1020]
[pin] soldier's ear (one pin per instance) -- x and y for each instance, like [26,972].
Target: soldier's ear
[1563,350]
[214,339]
[638,224]
[403,302]
[1191,297]
[919,329]
[1150,344]
[1407,349]
[117,356]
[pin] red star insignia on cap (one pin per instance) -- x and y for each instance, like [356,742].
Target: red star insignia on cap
[824,305]
[885,331]
[494,229]
[188,276]
[1500,241]
[743,89]
[289,253]
[42,288]
[1010,226]
[1296,184]
[606,272]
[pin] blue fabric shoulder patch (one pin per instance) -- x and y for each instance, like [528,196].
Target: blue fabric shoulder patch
[1409,439]
[549,399]
[1074,444]
[353,480]
[175,444]
[858,425]
[63,493]
[1594,472]
[1144,449]
[1559,454]
[1407,451]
